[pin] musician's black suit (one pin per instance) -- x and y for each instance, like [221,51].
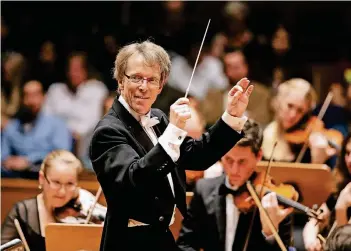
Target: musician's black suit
[205,225]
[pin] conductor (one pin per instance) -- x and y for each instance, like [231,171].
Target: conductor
[140,156]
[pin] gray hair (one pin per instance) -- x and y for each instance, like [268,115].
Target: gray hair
[152,53]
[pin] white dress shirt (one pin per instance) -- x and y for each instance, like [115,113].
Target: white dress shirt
[232,218]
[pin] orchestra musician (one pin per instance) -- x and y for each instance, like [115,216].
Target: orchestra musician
[140,156]
[215,222]
[293,107]
[58,180]
[338,205]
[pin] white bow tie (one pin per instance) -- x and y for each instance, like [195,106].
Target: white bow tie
[148,122]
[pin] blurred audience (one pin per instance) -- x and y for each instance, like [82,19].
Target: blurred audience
[46,68]
[236,67]
[208,75]
[31,135]
[78,101]
[12,76]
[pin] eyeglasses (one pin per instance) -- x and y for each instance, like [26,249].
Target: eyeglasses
[57,185]
[136,79]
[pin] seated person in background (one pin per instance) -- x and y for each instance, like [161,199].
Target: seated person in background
[339,240]
[58,179]
[339,201]
[293,106]
[78,102]
[107,104]
[13,67]
[236,67]
[28,138]
[215,223]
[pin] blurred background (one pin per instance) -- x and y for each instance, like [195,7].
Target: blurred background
[61,45]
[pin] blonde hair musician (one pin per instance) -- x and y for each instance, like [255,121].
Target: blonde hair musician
[293,107]
[58,181]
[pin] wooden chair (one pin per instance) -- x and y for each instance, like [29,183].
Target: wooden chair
[73,237]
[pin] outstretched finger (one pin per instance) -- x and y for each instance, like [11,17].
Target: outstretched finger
[244,83]
[235,89]
[249,90]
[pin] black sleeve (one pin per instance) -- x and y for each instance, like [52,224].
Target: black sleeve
[116,160]
[191,234]
[202,153]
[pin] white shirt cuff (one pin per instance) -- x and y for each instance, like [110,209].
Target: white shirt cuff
[171,140]
[234,122]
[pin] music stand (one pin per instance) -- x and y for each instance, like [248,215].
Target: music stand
[73,237]
[13,245]
[314,182]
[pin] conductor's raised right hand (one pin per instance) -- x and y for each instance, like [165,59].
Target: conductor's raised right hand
[180,113]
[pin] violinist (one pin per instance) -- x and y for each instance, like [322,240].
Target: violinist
[293,107]
[58,180]
[338,205]
[214,220]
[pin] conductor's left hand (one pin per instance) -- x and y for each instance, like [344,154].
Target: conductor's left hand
[238,98]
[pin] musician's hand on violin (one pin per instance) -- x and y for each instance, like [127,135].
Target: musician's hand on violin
[238,98]
[275,213]
[320,150]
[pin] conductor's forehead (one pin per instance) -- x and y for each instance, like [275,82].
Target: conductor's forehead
[139,63]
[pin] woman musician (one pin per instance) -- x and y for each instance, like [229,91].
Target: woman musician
[293,105]
[60,201]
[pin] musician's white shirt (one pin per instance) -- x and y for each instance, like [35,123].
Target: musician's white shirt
[232,219]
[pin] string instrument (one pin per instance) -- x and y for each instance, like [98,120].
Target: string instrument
[300,135]
[78,209]
[286,195]
[315,124]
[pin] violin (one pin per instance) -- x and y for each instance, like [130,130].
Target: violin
[301,134]
[286,195]
[77,210]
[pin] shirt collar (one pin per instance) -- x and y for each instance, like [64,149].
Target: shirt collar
[130,110]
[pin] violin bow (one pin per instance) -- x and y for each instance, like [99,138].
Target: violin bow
[20,233]
[265,214]
[198,55]
[91,209]
[261,193]
[324,108]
